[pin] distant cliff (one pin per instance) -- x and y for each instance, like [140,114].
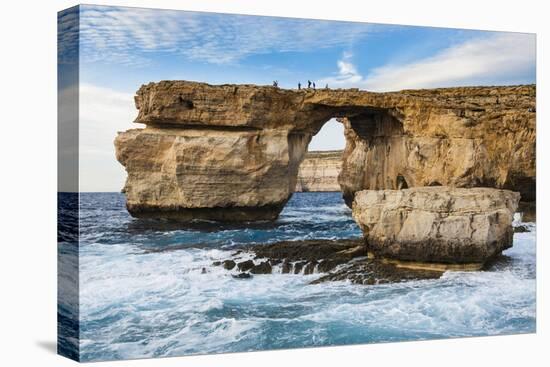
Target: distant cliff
[319,171]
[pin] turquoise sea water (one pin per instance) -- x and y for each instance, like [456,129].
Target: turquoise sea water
[136,304]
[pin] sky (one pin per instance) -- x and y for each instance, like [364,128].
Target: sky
[122,48]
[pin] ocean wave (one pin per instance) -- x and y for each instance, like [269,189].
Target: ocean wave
[138,302]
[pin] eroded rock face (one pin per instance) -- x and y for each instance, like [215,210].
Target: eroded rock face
[460,137]
[319,171]
[436,224]
[208,174]
[232,152]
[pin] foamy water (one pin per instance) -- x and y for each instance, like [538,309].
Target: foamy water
[136,304]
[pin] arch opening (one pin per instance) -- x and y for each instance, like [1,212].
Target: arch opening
[329,138]
[337,138]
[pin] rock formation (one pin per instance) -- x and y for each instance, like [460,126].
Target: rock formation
[319,171]
[436,224]
[334,260]
[460,137]
[232,152]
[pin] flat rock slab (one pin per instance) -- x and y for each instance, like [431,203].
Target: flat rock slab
[437,224]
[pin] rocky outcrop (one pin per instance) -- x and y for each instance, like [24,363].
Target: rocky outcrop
[232,152]
[332,260]
[437,224]
[319,171]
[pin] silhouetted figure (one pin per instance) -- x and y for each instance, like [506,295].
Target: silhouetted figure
[326,86]
[309,84]
[313,85]
[276,84]
[299,86]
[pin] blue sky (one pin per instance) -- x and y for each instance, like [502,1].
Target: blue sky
[122,48]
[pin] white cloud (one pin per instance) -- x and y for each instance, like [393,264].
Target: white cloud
[103,112]
[129,35]
[503,58]
[330,137]
[347,76]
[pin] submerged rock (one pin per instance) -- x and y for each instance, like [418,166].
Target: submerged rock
[262,268]
[228,264]
[436,224]
[242,276]
[245,265]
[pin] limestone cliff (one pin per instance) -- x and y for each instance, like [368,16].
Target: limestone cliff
[461,137]
[319,171]
[232,152]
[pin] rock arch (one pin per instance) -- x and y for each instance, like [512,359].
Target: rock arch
[231,152]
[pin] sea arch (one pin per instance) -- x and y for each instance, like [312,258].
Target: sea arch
[232,152]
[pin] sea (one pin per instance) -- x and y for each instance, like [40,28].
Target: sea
[132,302]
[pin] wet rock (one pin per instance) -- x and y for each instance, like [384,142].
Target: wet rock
[245,265]
[375,271]
[229,264]
[262,268]
[311,250]
[310,267]
[242,276]
[336,260]
[287,267]
[298,267]
[528,211]
[327,265]
[216,263]
[521,229]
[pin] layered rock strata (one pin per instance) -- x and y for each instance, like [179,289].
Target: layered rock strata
[319,171]
[437,224]
[232,152]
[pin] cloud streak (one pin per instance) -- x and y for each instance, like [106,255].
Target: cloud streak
[131,35]
[500,58]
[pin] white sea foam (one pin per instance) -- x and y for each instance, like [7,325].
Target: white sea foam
[136,304]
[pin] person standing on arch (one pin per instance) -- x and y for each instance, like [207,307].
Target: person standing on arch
[299,86]
[313,85]
[308,84]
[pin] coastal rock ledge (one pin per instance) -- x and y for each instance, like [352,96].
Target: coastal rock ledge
[436,224]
